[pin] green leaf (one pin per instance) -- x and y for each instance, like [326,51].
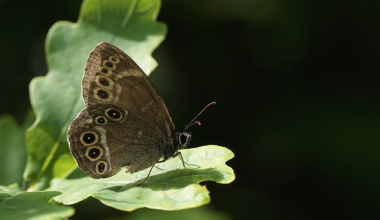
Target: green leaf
[9,191]
[31,205]
[169,187]
[57,99]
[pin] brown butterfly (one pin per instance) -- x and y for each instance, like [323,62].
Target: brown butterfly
[125,122]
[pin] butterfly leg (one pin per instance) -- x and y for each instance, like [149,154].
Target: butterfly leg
[160,161]
[183,161]
[139,184]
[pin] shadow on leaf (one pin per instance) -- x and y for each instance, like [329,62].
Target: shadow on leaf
[173,179]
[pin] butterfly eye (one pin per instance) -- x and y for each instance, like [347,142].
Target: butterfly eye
[88,138]
[114,59]
[101,167]
[94,153]
[114,114]
[100,120]
[184,139]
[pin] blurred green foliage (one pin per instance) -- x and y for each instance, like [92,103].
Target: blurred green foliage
[13,149]
[296,84]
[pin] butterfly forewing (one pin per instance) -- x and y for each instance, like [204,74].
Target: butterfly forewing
[111,76]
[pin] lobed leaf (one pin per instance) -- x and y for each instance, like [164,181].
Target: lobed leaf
[57,99]
[15,205]
[169,187]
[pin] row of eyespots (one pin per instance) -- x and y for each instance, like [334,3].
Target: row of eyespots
[111,113]
[90,138]
[109,65]
[104,82]
[93,153]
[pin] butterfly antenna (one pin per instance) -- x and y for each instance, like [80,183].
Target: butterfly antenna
[193,122]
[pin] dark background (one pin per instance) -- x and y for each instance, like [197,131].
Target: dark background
[297,87]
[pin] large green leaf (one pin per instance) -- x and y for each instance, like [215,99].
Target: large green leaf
[169,187]
[56,98]
[9,191]
[17,205]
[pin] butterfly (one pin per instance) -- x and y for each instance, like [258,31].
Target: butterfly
[125,122]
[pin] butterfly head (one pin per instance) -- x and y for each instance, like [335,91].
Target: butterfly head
[183,139]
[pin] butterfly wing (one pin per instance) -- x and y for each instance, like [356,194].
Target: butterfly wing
[104,138]
[112,77]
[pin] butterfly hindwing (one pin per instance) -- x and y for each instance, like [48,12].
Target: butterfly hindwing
[104,138]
